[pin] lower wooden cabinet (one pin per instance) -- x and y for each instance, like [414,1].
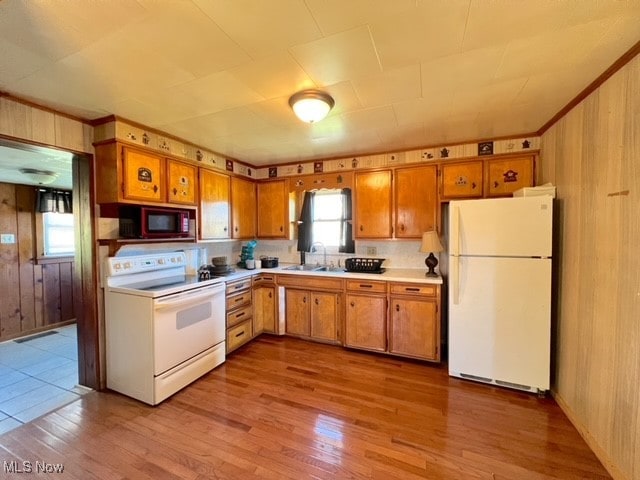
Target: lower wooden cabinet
[312,314]
[414,321]
[366,322]
[239,313]
[297,312]
[264,305]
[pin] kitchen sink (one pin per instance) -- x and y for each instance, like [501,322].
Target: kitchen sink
[307,268]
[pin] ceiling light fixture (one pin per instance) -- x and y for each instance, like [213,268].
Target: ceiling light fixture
[311,105]
[41,177]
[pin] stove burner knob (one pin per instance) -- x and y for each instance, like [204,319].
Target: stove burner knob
[161,261]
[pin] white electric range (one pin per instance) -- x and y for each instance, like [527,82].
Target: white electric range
[164,328]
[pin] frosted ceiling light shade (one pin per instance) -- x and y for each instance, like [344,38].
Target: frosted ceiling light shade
[311,105]
[41,177]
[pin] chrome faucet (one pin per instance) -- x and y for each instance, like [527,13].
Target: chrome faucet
[314,249]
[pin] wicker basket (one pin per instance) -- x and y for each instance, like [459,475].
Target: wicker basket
[363,264]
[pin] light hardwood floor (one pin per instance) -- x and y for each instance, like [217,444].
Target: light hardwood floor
[285,408]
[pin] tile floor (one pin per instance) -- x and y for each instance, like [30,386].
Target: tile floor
[38,374]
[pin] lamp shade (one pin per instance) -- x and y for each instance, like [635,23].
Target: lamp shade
[311,105]
[430,242]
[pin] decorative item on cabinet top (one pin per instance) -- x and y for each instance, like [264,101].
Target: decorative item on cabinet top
[431,154]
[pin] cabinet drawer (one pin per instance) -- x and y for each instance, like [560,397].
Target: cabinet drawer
[238,300]
[238,285]
[366,286]
[414,289]
[264,278]
[238,335]
[310,283]
[236,316]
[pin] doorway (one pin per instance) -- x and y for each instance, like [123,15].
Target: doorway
[43,356]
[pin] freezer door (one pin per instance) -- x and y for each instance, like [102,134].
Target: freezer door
[512,227]
[499,324]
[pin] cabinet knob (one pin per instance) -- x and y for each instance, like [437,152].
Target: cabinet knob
[353,304]
[304,299]
[473,185]
[495,184]
[361,228]
[402,227]
[397,307]
[317,302]
[225,229]
[236,229]
[270,295]
[155,189]
[281,228]
[175,191]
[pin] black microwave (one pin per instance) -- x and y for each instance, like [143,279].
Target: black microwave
[153,222]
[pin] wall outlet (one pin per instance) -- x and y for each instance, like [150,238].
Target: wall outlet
[372,251]
[7,238]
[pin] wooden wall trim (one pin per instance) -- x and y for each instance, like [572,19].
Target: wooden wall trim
[38,106]
[593,86]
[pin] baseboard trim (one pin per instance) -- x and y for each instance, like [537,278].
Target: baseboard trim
[603,456]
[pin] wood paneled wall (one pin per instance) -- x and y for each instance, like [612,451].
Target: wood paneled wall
[592,154]
[35,295]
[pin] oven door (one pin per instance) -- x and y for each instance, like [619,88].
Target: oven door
[186,324]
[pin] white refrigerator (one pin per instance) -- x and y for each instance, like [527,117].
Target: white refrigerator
[500,291]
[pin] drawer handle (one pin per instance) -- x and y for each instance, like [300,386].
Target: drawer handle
[238,299]
[270,295]
[241,314]
[364,285]
[317,302]
[304,299]
[239,334]
[409,289]
[397,307]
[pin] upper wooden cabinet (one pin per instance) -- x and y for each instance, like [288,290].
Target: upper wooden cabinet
[214,205]
[461,180]
[504,176]
[182,182]
[273,209]
[373,204]
[143,175]
[243,208]
[129,175]
[415,201]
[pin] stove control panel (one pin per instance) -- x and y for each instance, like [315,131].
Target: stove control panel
[144,263]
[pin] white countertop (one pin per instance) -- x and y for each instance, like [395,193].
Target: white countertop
[412,275]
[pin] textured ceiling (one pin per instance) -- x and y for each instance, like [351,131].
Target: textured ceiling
[404,73]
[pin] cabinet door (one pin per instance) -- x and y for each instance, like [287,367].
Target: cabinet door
[273,209]
[365,322]
[297,312]
[243,208]
[462,180]
[506,176]
[414,328]
[143,175]
[264,313]
[324,316]
[416,202]
[182,184]
[214,204]
[373,204]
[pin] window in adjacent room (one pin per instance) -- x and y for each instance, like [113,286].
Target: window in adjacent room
[58,233]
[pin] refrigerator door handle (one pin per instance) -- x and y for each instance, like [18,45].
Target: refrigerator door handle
[455,278]
[454,244]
